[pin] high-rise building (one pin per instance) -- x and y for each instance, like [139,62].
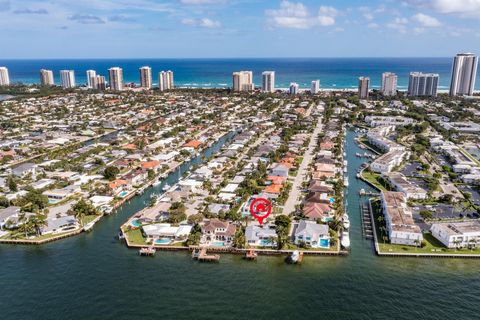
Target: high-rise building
[268,81]
[67,79]
[315,87]
[46,77]
[294,88]
[363,87]
[243,81]
[4,77]
[146,77]
[423,84]
[115,75]
[389,84]
[91,74]
[165,80]
[464,72]
[98,83]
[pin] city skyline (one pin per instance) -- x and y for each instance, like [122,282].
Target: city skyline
[228,28]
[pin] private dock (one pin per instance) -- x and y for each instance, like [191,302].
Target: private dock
[147,252]
[366,221]
[251,255]
[201,255]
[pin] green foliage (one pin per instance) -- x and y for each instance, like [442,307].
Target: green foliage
[111,172]
[282,227]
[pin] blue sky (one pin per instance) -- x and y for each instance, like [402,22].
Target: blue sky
[237,28]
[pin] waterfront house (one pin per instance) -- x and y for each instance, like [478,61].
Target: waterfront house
[25,169]
[314,211]
[118,185]
[261,236]
[7,216]
[217,208]
[60,225]
[217,233]
[312,234]
[278,169]
[136,177]
[166,231]
[57,195]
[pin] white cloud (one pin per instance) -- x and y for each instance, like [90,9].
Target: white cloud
[463,8]
[296,16]
[426,21]
[373,25]
[398,24]
[199,2]
[204,22]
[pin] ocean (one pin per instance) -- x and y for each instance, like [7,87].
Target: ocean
[94,276]
[334,73]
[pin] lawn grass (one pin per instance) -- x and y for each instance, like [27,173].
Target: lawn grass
[373,178]
[88,219]
[135,236]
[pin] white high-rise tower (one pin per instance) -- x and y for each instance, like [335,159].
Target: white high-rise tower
[91,74]
[4,77]
[67,79]
[243,81]
[363,87]
[268,81]
[315,87]
[116,78]
[389,84]
[146,77]
[46,77]
[464,72]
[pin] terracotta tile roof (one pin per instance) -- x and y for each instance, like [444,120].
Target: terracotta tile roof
[117,183]
[193,144]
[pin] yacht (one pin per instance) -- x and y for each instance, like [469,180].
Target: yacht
[157,182]
[346,222]
[89,226]
[345,242]
[345,181]
[166,187]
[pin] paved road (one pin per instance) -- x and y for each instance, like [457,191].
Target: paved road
[292,200]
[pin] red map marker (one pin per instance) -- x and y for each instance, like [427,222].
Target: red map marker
[260,209]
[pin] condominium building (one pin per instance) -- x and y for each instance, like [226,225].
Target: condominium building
[462,234]
[243,81]
[99,83]
[165,80]
[363,87]
[389,84]
[423,84]
[399,221]
[146,77]
[67,79]
[315,87]
[268,81]
[91,74]
[294,88]
[46,77]
[4,77]
[464,72]
[116,78]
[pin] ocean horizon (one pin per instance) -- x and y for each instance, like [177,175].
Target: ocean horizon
[333,73]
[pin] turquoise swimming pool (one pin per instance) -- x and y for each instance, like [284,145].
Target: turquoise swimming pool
[163,241]
[324,243]
[218,244]
[123,194]
[136,223]
[265,243]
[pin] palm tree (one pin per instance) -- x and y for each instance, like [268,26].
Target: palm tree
[37,222]
[25,226]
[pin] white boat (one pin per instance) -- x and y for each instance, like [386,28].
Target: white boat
[294,257]
[345,169]
[157,182]
[345,241]
[346,222]
[89,226]
[345,182]
[166,187]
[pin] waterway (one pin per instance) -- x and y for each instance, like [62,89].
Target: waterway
[93,276]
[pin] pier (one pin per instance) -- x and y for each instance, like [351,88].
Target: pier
[367,227]
[147,252]
[201,255]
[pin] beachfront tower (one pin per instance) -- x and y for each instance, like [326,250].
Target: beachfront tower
[315,87]
[146,77]
[115,75]
[464,72]
[423,84]
[4,77]
[243,81]
[46,77]
[91,74]
[363,87]
[67,79]
[389,84]
[294,88]
[268,81]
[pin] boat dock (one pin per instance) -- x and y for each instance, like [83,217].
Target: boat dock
[201,255]
[251,255]
[147,252]
[367,228]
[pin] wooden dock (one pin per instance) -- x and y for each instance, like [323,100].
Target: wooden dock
[366,219]
[251,255]
[147,251]
[201,255]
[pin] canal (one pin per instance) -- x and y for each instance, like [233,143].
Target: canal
[94,276]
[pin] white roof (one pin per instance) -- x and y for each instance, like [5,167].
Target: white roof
[230,188]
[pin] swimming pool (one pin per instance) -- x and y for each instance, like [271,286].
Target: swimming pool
[218,244]
[324,243]
[136,223]
[163,241]
[123,194]
[266,243]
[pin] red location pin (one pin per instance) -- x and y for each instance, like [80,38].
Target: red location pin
[260,208]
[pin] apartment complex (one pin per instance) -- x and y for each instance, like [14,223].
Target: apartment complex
[464,72]
[46,77]
[165,80]
[116,78]
[91,74]
[315,88]
[67,79]
[423,84]
[243,81]
[363,87]
[146,77]
[4,77]
[268,81]
[389,84]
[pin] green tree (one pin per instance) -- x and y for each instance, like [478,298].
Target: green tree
[282,227]
[111,172]
[37,222]
[12,185]
[82,209]
[4,202]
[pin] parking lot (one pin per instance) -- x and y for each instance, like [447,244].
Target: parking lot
[475,194]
